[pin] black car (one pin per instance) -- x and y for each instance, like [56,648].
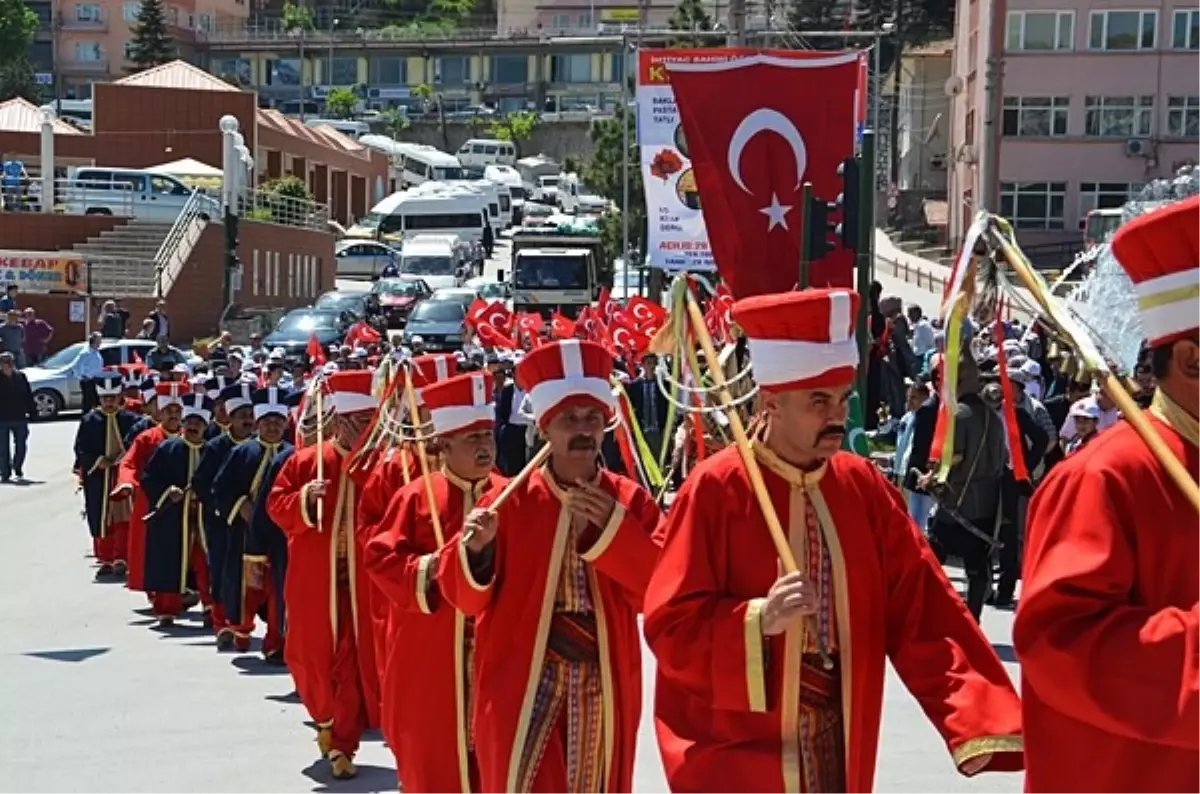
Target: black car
[440,324]
[298,326]
[363,305]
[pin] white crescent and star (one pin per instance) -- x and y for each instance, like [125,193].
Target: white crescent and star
[768,120]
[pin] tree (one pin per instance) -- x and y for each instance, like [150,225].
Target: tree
[515,127]
[394,121]
[424,92]
[296,17]
[691,17]
[604,173]
[18,26]
[813,15]
[341,103]
[150,45]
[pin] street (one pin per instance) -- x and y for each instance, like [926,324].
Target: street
[97,698]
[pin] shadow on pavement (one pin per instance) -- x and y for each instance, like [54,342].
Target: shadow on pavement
[256,665]
[181,630]
[370,779]
[291,698]
[69,654]
[1005,652]
[23,483]
[144,622]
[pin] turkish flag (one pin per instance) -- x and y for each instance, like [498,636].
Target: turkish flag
[477,307]
[316,353]
[781,121]
[497,316]
[561,327]
[646,313]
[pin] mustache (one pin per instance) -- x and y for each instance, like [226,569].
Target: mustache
[582,443]
[832,430]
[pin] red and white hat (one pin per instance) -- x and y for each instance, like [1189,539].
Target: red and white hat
[350,391]
[171,392]
[800,340]
[430,369]
[566,373]
[461,404]
[1161,253]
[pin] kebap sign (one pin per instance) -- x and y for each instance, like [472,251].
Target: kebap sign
[42,271]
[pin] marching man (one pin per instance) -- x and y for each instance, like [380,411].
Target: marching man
[774,682]
[329,647]
[555,577]
[425,687]
[1108,627]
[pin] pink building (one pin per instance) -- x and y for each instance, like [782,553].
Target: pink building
[1100,96]
[92,36]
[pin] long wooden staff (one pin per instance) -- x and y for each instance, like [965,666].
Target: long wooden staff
[411,394]
[319,405]
[1112,386]
[515,483]
[739,436]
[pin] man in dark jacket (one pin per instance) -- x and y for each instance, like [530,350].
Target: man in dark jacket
[649,405]
[16,411]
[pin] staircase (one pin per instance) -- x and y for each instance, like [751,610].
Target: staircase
[124,260]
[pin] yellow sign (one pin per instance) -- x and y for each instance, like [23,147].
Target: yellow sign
[619,15]
[43,271]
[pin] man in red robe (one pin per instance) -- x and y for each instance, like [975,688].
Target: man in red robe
[554,577]
[330,648]
[1108,626]
[425,685]
[771,681]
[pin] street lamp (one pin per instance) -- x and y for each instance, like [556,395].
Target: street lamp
[47,159]
[329,64]
[233,154]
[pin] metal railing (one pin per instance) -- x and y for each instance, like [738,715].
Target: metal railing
[177,246]
[72,197]
[84,67]
[276,32]
[269,206]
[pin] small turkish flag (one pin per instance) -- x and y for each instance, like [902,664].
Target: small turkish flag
[497,316]
[646,313]
[561,327]
[316,353]
[782,121]
[477,307]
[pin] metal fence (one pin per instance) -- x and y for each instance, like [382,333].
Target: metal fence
[271,206]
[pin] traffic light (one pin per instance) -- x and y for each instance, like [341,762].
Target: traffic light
[818,225]
[848,200]
[231,232]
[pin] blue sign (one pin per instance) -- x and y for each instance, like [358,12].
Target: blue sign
[44,78]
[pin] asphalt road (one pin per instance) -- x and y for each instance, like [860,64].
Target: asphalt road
[96,698]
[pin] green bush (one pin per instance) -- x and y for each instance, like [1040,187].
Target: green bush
[287,201]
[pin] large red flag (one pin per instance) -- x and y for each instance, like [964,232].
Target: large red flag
[782,121]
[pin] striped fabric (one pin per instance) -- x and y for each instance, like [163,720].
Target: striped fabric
[820,570]
[822,743]
[568,701]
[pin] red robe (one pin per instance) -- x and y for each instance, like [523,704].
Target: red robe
[130,473]
[424,684]
[513,611]
[1108,628]
[720,707]
[316,625]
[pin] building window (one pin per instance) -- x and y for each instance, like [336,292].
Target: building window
[571,68]
[1105,195]
[87,51]
[1183,116]
[130,48]
[560,21]
[1185,29]
[620,67]
[206,23]
[1033,205]
[585,20]
[1035,117]
[1038,31]
[129,11]
[237,68]
[509,69]
[456,69]
[284,71]
[1123,30]
[390,70]
[343,71]
[1118,116]
[87,12]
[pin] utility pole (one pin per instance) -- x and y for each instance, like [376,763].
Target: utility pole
[988,196]
[894,121]
[625,110]
[737,24]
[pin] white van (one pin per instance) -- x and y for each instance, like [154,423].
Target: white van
[131,192]
[575,197]
[444,210]
[420,163]
[507,176]
[487,151]
[351,129]
[437,259]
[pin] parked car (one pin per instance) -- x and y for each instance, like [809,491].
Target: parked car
[463,296]
[398,297]
[363,258]
[440,323]
[361,304]
[298,326]
[131,192]
[56,390]
[490,290]
[534,215]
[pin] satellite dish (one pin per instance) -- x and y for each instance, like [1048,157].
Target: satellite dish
[953,86]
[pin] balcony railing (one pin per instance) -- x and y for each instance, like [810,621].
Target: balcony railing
[85,67]
[276,32]
[96,25]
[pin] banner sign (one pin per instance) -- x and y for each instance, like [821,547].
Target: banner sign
[42,271]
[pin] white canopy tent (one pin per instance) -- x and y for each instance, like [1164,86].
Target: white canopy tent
[191,172]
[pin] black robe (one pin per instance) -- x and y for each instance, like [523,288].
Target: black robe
[216,531]
[265,538]
[171,527]
[91,444]
[142,424]
[241,477]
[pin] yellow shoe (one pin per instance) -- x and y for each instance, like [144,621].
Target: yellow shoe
[325,740]
[341,766]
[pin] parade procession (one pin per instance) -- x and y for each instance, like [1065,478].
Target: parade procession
[473,558]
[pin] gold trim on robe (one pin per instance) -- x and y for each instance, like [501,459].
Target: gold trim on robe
[1176,417]
[973,748]
[756,669]
[423,565]
[606,535]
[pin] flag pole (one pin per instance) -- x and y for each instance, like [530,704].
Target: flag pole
[864,256]
[805,233]
[411,394]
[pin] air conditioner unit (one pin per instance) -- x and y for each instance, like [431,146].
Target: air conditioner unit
[1139,147]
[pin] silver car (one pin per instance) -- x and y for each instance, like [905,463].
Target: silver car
[363,258]
[56,389]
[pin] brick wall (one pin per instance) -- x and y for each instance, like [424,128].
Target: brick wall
[35,231]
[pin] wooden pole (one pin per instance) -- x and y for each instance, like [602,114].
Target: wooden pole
[778,536]
[411,394]
[319,405]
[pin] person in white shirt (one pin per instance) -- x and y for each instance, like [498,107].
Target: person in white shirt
[87,368]
[1106,415]
[922,332]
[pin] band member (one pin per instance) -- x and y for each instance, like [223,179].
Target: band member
[266,540]
[770,682]
[175,525]
[330,647]
[555,578]
[238,407]
[237,487]
[142,441]
[99,445]
[214,387]
[1108,624]
[425,685]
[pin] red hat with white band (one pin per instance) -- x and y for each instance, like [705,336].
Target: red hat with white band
[350,391]
[800,340]
[431,369]
[171,393]
[565,374]
[461,404]
[1161,253]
